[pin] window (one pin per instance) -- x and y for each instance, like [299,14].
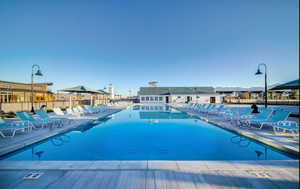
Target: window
[179,97]
[151,98]
[160,98]
[147,98]
[143,98]
[156,98]
[198,96]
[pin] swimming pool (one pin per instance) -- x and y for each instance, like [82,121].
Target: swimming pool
[148,133]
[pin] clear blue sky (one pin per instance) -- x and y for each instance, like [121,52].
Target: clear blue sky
[128,43]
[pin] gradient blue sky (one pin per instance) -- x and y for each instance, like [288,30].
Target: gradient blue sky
[128,43]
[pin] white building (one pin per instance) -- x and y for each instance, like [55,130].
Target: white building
[179,95]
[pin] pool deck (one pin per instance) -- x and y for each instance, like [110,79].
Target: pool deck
[151,174]
[21,139]
[283,142]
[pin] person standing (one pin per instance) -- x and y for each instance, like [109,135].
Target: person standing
[254,109]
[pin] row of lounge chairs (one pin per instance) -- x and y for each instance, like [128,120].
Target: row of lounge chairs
[27,122]
[276,118]
[81,111]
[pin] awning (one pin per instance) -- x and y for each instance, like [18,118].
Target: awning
[289,85]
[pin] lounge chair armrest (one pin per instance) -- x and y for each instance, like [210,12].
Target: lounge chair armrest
[290,123]
[247,116]
[17,123]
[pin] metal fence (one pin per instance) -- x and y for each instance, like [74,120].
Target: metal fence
[271,102]
[26,106]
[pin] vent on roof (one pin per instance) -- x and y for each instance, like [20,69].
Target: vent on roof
[153,84]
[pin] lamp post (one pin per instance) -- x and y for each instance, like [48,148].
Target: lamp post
[129,92]
[37,73]
[266,89]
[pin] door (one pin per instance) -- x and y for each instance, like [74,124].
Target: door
[188,99]
[167,99]
[212,99]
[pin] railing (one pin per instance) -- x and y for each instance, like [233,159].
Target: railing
[26,106]
[271,102]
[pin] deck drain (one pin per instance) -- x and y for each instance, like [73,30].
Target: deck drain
[33,175]
[260,174]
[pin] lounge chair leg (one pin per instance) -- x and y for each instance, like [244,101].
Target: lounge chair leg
[2,134]
[13,134]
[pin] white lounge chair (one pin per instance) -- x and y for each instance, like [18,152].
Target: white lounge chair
[12,127]
[287,126]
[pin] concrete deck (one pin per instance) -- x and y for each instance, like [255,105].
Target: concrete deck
[21,139]
[151,174]
[283,142]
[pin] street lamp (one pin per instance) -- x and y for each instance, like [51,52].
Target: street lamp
[266,89]
[37,73]
[129,92]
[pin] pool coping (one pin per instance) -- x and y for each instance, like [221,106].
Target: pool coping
[149,165]
[16,147]
[150,174]
[258,139]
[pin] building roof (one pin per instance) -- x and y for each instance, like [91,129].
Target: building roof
[289,85]
[11,82]
[239,89]
[175,90]
[24,87]
[103,92]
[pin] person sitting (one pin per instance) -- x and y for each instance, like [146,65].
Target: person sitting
[254,109]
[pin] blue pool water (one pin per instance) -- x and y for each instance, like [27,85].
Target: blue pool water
[148,133]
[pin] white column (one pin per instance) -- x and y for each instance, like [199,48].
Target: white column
[70,103]
[91,103]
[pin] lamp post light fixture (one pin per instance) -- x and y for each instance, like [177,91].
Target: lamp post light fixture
[37,73]
[266,89]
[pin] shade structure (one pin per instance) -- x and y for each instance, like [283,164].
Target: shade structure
[102,92]
[289,85]
[81,89]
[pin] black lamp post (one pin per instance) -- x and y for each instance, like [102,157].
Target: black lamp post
[37,73]
[266,89]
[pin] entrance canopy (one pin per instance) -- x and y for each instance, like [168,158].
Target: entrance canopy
[289,85]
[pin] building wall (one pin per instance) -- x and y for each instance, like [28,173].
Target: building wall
[21,92]
[201,98]
[157,99]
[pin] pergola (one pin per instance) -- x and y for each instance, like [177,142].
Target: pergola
[82,90]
